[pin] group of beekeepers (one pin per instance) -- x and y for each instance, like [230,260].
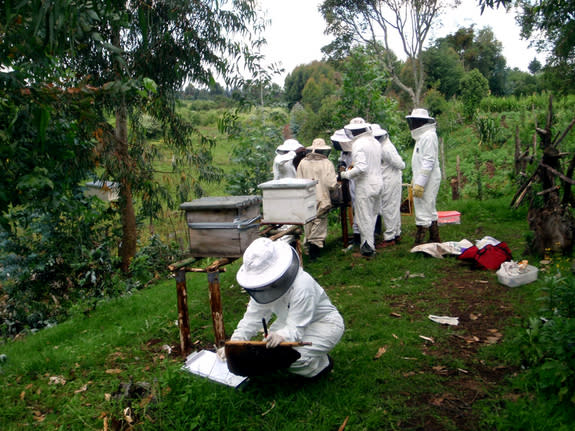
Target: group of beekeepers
[271,273]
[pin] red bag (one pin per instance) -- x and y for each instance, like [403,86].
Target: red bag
[489,257]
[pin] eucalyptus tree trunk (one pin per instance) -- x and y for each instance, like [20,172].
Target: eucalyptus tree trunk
[127,249]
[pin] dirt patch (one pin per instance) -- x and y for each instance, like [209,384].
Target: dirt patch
[482,308]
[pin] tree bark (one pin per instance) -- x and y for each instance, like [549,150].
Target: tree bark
[127,249]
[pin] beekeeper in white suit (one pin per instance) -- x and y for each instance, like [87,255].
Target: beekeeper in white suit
[366,172]
[426,174]
[392,166]
[284,165]
[272,276]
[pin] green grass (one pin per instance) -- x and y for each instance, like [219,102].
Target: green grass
[122,341]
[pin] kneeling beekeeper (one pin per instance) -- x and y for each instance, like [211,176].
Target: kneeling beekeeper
[272,276]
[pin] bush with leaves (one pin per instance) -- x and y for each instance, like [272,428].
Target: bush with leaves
[546,348]
[473,87]
[255,139]
[51,259]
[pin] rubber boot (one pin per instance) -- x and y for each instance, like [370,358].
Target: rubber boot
[366,250]
[314,252]
[434,232]
[420,235]
[356,239]
[378,232]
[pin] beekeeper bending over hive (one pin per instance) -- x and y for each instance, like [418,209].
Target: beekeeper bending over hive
[426,174]
[366,172]
[278,286]
[287,159]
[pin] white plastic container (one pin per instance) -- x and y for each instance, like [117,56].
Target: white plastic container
[289,201]
[509,279]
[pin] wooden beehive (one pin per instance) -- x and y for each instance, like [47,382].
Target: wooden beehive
[222,226]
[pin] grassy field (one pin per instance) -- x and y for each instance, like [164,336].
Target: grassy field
[117,366]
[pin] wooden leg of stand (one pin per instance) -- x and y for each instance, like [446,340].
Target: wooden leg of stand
[183,316]
[344,227]
[216,307]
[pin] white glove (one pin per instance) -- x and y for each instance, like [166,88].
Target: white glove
[221,352]
[273,340]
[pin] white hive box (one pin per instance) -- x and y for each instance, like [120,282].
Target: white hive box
[289,201]
[222,226]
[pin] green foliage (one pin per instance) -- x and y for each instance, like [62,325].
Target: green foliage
[474,87]
[488,131]
[444,69]
[254,141]
[554,33]
[499,104]
[546,349]
[323,76]
[547,17]
[364,85]
[435,102]
[52,259]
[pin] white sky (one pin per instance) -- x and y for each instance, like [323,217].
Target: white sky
[295,35]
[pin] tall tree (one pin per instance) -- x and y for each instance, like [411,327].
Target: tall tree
[444,69]
[142,53]
[552,23]
[373,22]
[48,119]
[479,50]
[296,81]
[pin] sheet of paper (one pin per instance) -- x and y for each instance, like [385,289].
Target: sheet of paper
[206,363]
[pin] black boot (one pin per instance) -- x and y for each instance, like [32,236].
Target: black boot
[420,235]
[434,232]
[314,251]
[366,250]
[356,239]
[378,232]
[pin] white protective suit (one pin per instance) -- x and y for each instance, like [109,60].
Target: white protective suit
[426,172]
[366,173]
[303,313]
[391,168]
[316,166]
[283,166]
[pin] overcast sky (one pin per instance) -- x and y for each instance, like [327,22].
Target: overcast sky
[295,35]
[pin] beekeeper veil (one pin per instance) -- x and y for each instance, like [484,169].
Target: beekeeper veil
[268,270]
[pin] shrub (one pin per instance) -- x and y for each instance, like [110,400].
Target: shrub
[474,87]
[546,347]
